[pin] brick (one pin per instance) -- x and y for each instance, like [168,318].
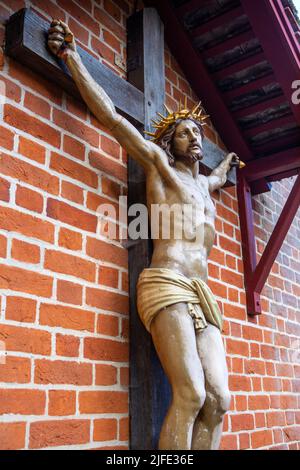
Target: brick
[62,372]
[74,170]
[234,311]
[229,442]
[240,383]
[275,418]
[105,429]
[125,285]
[110,188]
[227,214]
[81,34]
[231,262]
[101,349]
[4,190]
[240,348]
[12,436]
[112,9]
[103,402]
[71,215]
[237,365]
[241,403]
[29,199]
[59,433]
[76,127]
[72,192]
[23,171]
[106,300]
[106,374]
[3,246]
[15,370]
[269,352]
[103,50]
[74,147]
[25,281]
[25,252]
[261,439]
[94,201]
[124,376]
[37,105]
[259,402]
[108,166]
[229,245]
[69,292]
[68,264]
[70,239]
[255,367]
[35,81]
[108,325]
[52,10]
[284,370]
[251,333]
[6,138]
[244,441]
[28,340]
[20,309]
[242,422]
[31,150]
[110,147]
[80,15]
[66,317]
[232,278]
[124,429]
[125,329]
[12,90]
[107,21]
[67,346]
[62,402]
[108,276]
[112,41]
[31,125]
[103,251]
[22,402]
[260,420]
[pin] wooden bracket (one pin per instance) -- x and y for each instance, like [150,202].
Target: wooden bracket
[255,275]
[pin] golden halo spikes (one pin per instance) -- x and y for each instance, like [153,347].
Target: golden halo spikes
[165,122]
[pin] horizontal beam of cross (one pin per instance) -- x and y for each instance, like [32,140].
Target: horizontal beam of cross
[26,36]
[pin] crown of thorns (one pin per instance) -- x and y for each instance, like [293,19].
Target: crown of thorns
[182,113]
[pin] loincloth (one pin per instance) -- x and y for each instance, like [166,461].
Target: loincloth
[158,288]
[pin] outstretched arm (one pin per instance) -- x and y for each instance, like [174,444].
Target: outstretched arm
[61,42]
[218,176]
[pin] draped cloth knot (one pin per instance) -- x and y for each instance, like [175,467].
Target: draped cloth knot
[158,288]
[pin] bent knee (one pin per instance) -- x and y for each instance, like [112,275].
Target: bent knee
[190,398]
[219,401]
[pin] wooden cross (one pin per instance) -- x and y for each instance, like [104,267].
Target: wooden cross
[138,99]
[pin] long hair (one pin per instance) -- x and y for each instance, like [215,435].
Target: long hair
[166,140]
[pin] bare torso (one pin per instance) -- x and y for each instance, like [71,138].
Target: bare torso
[188,252]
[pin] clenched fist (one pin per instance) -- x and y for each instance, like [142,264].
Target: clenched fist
[61,39]
[235,161]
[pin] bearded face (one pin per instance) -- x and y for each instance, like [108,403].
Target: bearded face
[187,141]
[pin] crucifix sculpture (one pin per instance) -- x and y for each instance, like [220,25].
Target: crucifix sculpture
[175,304]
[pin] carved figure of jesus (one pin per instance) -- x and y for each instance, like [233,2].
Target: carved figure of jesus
[174,301]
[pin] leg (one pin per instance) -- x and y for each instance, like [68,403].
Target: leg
[174,338]
[208,427]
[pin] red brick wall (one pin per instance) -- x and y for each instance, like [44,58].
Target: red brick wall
[64,289]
